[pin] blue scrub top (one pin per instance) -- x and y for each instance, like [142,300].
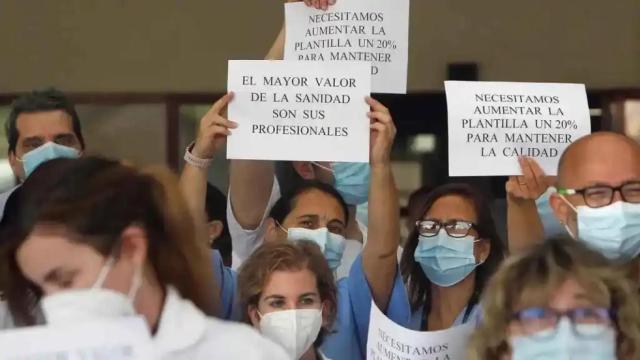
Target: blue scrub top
[228,285]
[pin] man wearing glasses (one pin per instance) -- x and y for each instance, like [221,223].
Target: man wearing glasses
[598,198]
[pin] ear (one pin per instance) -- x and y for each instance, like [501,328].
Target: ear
[273,232]
[214,228]
[16,166]
[252,311]
[563,212]
[134,245]
[305,169]
[483,249]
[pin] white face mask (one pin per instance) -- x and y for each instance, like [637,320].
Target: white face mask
[78,305]
[295,330]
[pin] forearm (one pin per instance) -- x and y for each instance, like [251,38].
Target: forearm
[251,182]
[524,228]
[379,254]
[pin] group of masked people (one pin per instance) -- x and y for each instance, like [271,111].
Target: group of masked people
[87,238]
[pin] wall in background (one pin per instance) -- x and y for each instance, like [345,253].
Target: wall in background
[183,45]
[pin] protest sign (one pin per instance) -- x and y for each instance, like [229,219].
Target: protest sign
[305,111]
[376,31]
[388,340]
[121,339]
[492,123]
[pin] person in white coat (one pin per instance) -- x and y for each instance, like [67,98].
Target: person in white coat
[98,239]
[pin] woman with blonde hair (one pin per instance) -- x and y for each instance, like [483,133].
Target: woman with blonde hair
[558,301]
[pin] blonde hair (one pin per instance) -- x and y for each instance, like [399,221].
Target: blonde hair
[531,278]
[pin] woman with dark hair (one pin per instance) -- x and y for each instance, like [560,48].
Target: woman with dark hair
[452,252]
[96,239]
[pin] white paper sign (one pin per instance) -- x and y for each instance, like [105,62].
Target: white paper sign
[492,123]
[376,31]
[388,340]
[304,111]
[123,339]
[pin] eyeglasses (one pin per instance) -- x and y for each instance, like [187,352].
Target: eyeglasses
[602,195]
[542,323]
[455,228]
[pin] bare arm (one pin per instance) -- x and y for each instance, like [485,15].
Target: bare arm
[251,181]
[379,254]
[524,227]
[212,134]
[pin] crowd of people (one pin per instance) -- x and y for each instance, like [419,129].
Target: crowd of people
[288,267]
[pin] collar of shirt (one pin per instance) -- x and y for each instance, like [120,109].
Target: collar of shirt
[181,325]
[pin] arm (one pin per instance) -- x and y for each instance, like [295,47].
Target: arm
[524,227]
[212,135]
[379,257]
[252,181]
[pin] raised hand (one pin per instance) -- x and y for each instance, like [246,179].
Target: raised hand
[383,132]
[214,129]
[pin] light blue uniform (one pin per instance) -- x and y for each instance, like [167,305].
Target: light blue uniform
[228,284]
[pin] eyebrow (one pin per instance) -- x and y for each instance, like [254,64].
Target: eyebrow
[332,222]
[274,297]
[309,294]
[33,138]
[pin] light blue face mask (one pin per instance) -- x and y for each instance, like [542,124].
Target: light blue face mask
[612,230]
[49,151]
[332,245]
[352,181]
[446,260]
[551,224]
[565,344]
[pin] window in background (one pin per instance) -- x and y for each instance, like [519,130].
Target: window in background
[7,179]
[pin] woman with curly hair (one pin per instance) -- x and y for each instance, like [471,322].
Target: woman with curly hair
[559,301]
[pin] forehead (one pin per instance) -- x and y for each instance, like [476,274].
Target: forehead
[50,247]
[316,202]
[290,283]
[611,164]
[452,207]
[44,123]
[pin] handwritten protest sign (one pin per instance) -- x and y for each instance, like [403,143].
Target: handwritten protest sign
[388,340]
[292,110]
[122,339]
[492,123]
[376,31]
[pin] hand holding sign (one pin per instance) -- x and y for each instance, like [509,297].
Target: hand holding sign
[531,185]
[383,131]
[214,129]
[318,4]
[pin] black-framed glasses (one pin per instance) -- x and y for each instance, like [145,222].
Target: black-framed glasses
[542,323]
[602,195]
[455,228]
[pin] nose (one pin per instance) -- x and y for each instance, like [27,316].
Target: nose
[617,196]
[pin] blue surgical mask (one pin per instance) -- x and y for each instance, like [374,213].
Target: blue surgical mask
[551,224]
[332,245]
[44,153]
[352,181]
[612,230]
[565,344]
[446,260]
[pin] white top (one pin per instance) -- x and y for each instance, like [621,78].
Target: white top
[244,241]
[6,320]
[186,333]
[3,199]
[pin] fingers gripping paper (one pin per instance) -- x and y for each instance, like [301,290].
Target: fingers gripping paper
[376,31]
[492,123]
[304,111]
[390,341]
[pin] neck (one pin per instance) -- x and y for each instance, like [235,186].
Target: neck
[310,354]
[353,230]
[150,302]
[448,302]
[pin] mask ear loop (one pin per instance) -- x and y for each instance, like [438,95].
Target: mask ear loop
[102,275]
[483,261]
[566,226]
[322,167]
[136,283]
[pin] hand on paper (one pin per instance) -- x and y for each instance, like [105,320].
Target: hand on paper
[318,4]
[214,129]
[383,132]
[531,185]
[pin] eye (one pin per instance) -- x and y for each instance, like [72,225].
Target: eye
[307,224]
[277,304]
[336,229]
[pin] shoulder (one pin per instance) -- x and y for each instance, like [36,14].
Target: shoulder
[235,341]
